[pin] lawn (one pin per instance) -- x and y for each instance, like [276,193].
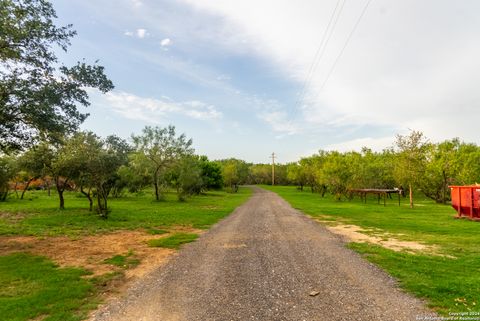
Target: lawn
[450,282]
[38,213]
[34,287]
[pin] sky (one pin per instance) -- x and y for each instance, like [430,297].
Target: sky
[247,78]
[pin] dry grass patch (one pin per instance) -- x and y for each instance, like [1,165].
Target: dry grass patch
[354,233]
[91,251]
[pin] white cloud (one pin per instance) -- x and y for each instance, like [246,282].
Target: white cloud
[397,71]
[165,42]
[154,110]
[141,33]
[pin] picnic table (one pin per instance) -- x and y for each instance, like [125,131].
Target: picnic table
[381,193]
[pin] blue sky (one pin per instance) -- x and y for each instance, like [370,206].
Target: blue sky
[242,78]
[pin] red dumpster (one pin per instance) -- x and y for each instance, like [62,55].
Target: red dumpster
[465,199]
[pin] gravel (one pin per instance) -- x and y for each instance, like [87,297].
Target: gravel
[264,262]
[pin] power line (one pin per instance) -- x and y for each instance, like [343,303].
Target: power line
[344,46]
[320,50]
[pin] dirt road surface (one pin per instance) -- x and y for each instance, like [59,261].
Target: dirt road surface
[262,263]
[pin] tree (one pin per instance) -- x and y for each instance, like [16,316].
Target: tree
[31,163]
[337,173]
[93,165]
[234,172]
[441,169]
[162,148]
[211,173]
[38,96]
[410,163]
[7,171]
[189,180]
[296,175]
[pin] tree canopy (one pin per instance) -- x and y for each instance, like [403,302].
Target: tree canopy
[38,95]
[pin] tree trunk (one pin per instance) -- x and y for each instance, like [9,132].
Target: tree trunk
[155,184]
[16,184]
[88,196]
[60,190]
[102,202]
[411,195]
[62,200]
[444,187]
[26,187]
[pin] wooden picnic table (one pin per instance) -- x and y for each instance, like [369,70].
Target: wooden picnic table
[362,192]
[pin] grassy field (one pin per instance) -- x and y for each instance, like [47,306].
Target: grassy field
[34,287]
[38,214]
[450,282]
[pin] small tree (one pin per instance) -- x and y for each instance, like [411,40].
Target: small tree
[161,148]
[231,176]
[211,173]
[93,164]
[31,162]
[234,172]
[410,161]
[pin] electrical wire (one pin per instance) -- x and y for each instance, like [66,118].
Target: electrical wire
[344,46]
[320,50]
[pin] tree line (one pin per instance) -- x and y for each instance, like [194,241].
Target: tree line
[99,168]
[413,164]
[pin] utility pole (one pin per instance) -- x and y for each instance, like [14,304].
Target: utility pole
[273,168]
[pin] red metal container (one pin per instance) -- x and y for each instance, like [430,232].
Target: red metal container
[465,199]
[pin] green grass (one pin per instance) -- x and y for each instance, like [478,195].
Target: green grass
[33,286]
[174,241]
[155,231]
[124,261]
[39,215]
[450,283]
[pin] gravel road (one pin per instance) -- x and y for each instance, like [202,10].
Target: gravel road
[261,263]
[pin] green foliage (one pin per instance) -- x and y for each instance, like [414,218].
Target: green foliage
[234,172]
[7,172]
[447,280]
[37,97]
[160,149]
[411,160]
[94,163]
[211,174]
[174,241]
[41,216]
[441,168]
[33,287]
